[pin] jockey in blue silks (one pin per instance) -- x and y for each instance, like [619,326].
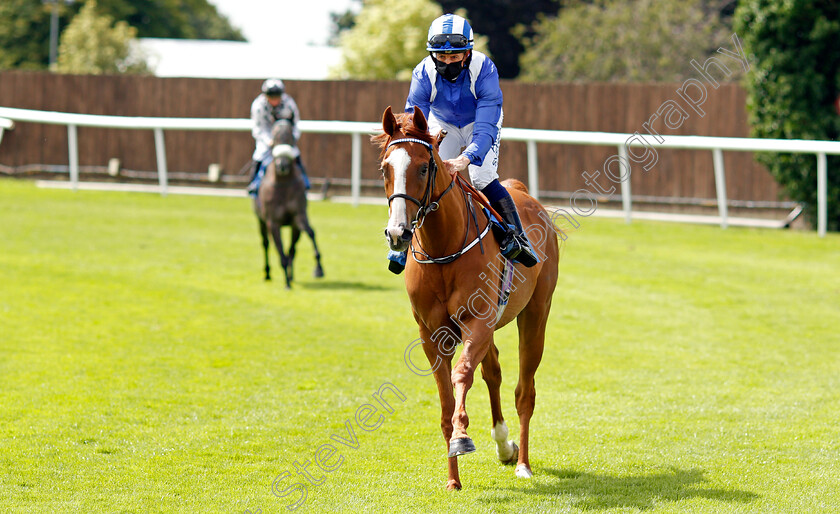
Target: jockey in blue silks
[272,104]
[457,88]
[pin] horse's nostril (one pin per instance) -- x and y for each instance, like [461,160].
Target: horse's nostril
[406,235]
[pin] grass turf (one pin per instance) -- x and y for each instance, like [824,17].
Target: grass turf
[146,367]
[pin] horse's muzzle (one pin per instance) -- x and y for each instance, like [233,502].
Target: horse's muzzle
[398,237]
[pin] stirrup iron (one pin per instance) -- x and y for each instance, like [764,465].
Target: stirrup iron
[515,245]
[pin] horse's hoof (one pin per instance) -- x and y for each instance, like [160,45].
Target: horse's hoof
[523,471]
[453,485]
[461,446]
[513,457]
[319,273]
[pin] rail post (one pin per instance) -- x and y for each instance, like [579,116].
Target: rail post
[822,193]
[720,187]
[73,155]
[160,150]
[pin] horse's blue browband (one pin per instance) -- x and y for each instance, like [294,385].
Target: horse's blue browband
[410,140]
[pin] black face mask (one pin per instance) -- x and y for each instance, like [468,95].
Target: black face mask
[449,71]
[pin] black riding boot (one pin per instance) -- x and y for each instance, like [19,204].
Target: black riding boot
[306,182]
[515,245]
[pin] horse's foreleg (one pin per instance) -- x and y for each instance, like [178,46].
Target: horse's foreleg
[475,349]
[292,251]
[278,243]
[264,234]
[319,271]
[491,372]
[531,323]
[442,364]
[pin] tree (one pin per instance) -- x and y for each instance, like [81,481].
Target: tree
[506,22]
[724,8]
[612,40]
[93,44]
[497,20]
[341,22]
[25,25]
[180,19]
[791,87]
[387,40]
[25,34]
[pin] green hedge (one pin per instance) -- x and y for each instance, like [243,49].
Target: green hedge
[792,85]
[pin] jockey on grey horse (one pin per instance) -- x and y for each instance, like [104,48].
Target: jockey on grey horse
[271,105]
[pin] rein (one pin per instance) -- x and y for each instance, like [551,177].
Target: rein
[427,205]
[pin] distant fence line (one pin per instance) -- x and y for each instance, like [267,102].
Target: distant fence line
[616,108]
[626,143]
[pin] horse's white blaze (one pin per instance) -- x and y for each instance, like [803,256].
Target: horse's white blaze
[399,161]
[504,448]
[287,151]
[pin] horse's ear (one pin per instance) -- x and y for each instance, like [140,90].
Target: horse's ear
[420,120]
[389,123]
[439,138]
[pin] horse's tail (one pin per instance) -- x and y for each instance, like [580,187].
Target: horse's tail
[512,183]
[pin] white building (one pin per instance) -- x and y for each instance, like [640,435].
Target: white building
[237,60]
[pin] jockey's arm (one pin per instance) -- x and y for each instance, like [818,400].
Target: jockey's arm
[260,128]
[420,91]
[488,112]
[296,117]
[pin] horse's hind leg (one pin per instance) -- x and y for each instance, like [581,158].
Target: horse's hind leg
[531,323]
[491,372]
[319,271]
[264,234]
[274,227]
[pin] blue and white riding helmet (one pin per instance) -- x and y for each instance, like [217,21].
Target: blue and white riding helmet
[273,87]
[450,33]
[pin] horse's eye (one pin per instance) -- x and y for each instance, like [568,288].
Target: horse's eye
[424,168]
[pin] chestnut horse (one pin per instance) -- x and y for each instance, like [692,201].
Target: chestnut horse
[281,201]
[450,282]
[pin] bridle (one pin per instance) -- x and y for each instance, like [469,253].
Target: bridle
[279,167]
[427,205]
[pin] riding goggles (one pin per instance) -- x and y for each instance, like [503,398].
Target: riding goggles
[439,41]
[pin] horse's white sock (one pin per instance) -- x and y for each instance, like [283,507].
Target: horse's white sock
[504,448]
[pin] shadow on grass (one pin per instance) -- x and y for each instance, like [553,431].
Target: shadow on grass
[336,285]
[588,491]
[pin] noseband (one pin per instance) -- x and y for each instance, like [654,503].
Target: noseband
[425,204]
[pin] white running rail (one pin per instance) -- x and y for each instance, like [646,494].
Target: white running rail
[530,136]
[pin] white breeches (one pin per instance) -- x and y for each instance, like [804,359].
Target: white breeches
[459,138]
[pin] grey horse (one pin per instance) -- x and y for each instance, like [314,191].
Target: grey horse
[281,201]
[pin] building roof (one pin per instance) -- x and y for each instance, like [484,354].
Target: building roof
[234,59]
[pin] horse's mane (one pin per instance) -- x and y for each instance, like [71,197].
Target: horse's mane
[405,123]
